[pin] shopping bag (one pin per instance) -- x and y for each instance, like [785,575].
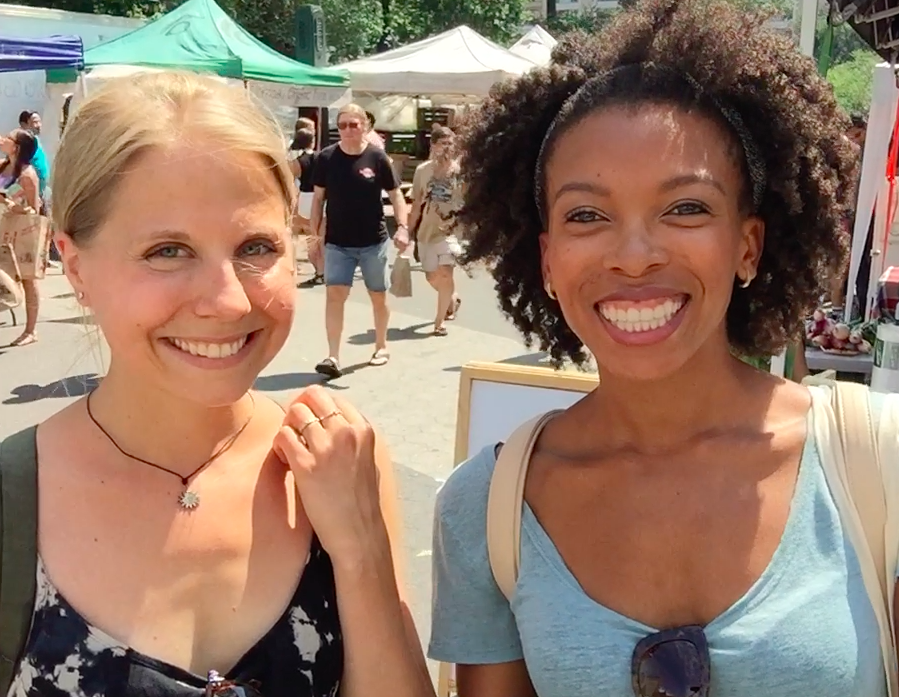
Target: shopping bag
[11,292]
[401,278]
[29,237]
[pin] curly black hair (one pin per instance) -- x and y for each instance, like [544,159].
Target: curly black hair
[787,115]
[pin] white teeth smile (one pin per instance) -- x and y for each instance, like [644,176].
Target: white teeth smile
[631,319]
[197,348]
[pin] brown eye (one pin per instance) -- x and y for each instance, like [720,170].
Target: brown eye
[689,208]
[583,215]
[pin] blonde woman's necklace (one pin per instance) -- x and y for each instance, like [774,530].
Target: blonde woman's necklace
[188,499]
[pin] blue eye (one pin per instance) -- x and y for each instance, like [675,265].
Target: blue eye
[257,248]
[167,251]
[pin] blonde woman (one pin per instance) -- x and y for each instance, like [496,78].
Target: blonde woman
[195,539]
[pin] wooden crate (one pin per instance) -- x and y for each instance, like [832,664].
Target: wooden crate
[428,116]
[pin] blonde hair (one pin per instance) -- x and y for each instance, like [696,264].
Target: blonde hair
[355,110]
[130,115]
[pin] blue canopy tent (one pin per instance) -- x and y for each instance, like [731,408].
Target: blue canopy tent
[17,54]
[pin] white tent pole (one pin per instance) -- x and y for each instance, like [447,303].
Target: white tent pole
[808,20]
[880,130]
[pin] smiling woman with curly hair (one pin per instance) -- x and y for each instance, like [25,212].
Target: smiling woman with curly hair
[664,196]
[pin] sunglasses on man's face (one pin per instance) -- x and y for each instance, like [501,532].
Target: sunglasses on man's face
[672,663]
[352,125]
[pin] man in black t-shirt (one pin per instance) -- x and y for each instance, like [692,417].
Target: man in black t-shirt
[350,177]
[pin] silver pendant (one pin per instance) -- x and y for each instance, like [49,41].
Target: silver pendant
[189,500]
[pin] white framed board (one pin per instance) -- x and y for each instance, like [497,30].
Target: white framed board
[496,398]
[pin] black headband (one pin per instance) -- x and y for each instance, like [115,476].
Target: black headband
[755,164]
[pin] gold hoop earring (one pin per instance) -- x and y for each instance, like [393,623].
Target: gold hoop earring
[549,291]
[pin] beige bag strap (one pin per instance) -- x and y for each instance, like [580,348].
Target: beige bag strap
[850,457]
[852,410]
[888,447]
[505,500]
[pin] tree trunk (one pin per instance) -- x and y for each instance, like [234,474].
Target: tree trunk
[385,42]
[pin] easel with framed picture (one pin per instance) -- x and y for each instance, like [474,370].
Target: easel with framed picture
[494,399]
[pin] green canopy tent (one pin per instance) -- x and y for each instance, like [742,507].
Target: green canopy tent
[199,36]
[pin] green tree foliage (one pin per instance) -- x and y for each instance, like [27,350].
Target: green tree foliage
[846,42]
[591,19]
[360,27]
[852,81]
[353,27]
[270,21]
[119,8]
[499,20]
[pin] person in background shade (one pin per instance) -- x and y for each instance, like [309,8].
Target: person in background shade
[301,158]
[31,122]
[371,135]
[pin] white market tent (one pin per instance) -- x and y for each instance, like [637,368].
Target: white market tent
[873,187]
[537,45]
[457,62]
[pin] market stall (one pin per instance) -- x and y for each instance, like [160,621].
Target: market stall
[25,238]
[199,36]
[536,46]
[20,55]
[457,62]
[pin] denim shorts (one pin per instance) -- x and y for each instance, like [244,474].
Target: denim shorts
[341,264]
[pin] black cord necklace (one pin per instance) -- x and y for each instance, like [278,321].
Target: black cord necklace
[188,499]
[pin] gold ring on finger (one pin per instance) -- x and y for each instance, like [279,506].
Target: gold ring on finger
[336,412]
[306,425]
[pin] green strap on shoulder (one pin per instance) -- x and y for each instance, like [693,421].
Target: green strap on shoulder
[18,547]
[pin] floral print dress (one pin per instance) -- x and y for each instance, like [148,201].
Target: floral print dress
[300,656]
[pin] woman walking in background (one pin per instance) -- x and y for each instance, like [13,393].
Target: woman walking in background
[302,164]
[436,199]
[20,182]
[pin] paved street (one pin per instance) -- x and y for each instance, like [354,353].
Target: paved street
[412,399]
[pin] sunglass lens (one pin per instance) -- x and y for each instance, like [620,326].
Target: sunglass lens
[233,689]
[673,669]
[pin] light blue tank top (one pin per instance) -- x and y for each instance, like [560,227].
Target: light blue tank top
[806,627]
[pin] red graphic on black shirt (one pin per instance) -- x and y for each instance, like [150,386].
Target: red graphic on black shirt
[367,172]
